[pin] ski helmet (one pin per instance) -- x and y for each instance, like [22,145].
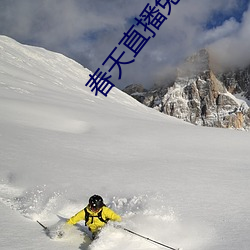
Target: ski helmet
[95,202]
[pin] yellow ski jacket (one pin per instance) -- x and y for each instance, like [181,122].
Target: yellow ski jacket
[94,223]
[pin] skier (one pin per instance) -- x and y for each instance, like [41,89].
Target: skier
[95,214]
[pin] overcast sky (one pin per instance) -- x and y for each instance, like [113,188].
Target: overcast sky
[88,30]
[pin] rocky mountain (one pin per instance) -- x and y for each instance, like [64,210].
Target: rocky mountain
[237,81]
[201,95]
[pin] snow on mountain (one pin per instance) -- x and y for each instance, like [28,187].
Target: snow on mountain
[182,185]
[201,94]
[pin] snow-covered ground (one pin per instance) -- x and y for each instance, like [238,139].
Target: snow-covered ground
[179,184]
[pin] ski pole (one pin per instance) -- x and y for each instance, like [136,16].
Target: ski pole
[45,228]
[146,238]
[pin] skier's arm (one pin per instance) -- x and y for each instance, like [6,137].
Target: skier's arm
[110,214]
[77,217]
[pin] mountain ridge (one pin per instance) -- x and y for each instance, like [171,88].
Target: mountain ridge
[201,95]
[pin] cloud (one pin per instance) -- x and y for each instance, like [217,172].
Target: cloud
[229,27]
[88,31]
[233,49]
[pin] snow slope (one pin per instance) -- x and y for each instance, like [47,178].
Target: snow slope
[179,184]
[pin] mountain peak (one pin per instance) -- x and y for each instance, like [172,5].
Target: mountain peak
[197,64]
